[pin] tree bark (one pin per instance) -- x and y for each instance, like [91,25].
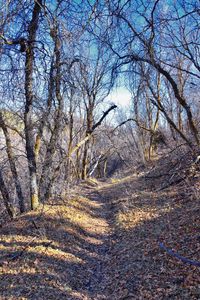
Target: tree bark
[46,113]
[155,125]
[11,159]
[6,196]
[28,114]
[46,179]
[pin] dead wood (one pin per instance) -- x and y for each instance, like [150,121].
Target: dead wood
[178,256]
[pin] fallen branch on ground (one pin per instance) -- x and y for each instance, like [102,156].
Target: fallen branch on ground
[182,258]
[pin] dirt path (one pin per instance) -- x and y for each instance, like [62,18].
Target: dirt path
[61,252]
[102,243]
[98,268]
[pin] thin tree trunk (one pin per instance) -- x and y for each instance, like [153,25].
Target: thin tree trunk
[78,164]
[155,125]
[181,100]
[6,196]
[85,161]
[87,144]
[105,167]
[68,163]
[169,120]
[11,159]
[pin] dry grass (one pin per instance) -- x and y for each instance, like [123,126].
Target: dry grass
[134,217]
[54,249]
[103,243]
[146,215]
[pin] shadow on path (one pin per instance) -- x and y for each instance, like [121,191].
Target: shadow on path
[60,253]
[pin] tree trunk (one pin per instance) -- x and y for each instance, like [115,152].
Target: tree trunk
[78,169]
[155,125]
[105,167]
[46,112]
[11,159]
[28,114]
[47,174]
[87,144]
[71,125]
[85,161]
[6,196]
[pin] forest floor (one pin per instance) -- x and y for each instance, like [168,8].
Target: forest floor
[103,242]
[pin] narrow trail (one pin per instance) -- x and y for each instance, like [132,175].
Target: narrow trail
[98,282]
[66,250]
[131,264]
[101,243]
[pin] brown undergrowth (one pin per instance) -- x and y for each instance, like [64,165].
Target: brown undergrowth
[53,253]
[103,242]
[151,209]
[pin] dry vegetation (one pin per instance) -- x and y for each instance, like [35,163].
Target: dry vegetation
[147,216]
[103,242]
[53,253]
[65,67]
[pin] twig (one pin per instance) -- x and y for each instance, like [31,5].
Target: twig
[178,256]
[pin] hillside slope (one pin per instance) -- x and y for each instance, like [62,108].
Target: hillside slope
[105,241]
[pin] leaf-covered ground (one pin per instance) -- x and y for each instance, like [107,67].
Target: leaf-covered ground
[103,242]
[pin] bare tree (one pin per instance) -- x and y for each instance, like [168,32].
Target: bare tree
[133,43]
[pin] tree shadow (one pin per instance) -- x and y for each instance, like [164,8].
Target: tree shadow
[144,218]
[64,261]
[72,258]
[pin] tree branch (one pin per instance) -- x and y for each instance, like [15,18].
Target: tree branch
[176,255]
[89,134]
[102,118]
[136,121]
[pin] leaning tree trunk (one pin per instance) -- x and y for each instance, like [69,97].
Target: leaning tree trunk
[181,100]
